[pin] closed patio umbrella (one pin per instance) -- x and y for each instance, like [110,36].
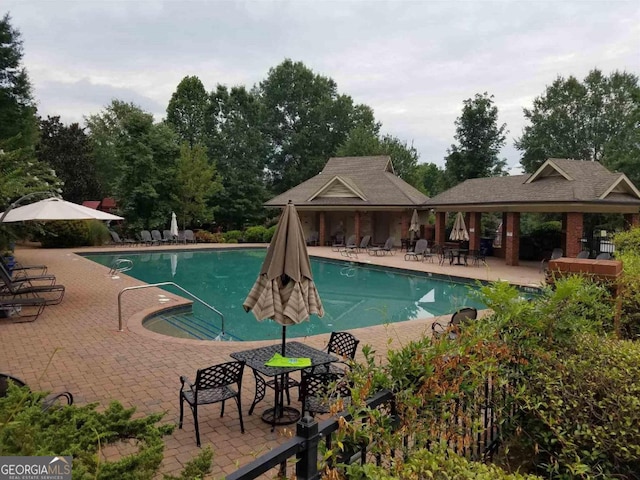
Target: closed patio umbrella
[284,290]
[174,226]
[415,224]
[459,231]
[54,209]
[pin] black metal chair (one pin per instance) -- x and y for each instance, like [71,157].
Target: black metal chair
[344,345]
[262,384]
[320,390]
[212,385]
[459,318]
[47,403]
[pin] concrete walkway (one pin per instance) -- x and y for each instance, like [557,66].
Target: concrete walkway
[87,355]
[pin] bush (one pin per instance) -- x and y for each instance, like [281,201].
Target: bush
[268,234]
[65,233]
[255,234]
[436,465]
[232,236]
[203,236]
[97,233]
[546,236]
[629,295]
[82,432]
[582,413]
[628,241]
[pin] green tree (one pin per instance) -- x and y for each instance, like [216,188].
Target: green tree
[196,183]
[68,151]
[430,178]
[597,119]
[480,139]
[364,140]
[18,123]
[187,110]
[305,120]
[240,149]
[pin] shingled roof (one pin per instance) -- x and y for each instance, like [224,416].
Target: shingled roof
[362,182]
[563,182]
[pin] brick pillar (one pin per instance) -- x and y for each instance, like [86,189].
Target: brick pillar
[474,230]
[357,227]
[572,234]
[441,231]
[631,220]
[322,234]
[404,225]
[512,230]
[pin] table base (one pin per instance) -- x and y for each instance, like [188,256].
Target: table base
[288,416]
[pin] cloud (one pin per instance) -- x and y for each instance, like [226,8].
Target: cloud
[413,62]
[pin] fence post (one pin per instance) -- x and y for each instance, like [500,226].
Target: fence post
[307,464]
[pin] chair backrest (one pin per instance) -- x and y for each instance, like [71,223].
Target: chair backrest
[155,234]
[557,253]
[5,277]
[188,236]
[464,315]
[181,237]
[219,375]
[603,256]
[421,246]
[365,241]
[4,383]
[388,245]
[115,237]
[583,254]
[343,344]
[339,238]
[351,241]
[167,235]
[322,386]
[146,236]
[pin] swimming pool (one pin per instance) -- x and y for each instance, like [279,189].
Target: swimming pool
[353,295]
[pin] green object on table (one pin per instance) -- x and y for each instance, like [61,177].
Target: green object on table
[279,361]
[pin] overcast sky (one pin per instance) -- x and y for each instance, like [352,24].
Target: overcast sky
[413,62]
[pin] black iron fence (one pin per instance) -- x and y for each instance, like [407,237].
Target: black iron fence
[472,426]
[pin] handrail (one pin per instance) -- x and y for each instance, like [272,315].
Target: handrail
[139,287]
[121,265]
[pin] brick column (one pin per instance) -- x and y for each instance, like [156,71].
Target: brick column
[441,231]
[357,227]
[475,230]
[512,231]
[404,225]
[631,220]
[572,234]
[322,234]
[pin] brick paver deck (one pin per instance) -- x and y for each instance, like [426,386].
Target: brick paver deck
[89,356]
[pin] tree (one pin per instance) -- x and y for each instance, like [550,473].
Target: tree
[196,183]
[305,120]
[240,149]
[18,123]
[187,110]
[430,179]
[597,119]
[68,151]
[364,140]
[479,142]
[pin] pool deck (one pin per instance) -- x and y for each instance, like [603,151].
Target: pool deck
[89,357]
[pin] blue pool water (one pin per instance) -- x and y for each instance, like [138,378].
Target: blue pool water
[353,295]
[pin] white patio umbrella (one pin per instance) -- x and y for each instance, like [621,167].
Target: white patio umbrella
[459,231]
[415,224]
[55,209]
[174,225]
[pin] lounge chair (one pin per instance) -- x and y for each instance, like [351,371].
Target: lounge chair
[168,237]
[353,250]
[118,241]
[47,403]
[386,248]
[180,238]
[18,267]
[418,251]
[338,243]
[312,240]
[189,237]
[145,237]
[22,309]
[459,318]
[156,236]
[18,288]
[350,247]
[23,277]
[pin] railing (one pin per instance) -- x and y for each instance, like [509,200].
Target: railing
[121,265]
[461,416]
[161,284]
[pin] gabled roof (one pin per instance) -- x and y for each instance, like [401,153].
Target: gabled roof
[353,182]
[557,181]
[91,204]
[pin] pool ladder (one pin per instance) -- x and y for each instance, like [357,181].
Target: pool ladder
[161,284]
[120,265]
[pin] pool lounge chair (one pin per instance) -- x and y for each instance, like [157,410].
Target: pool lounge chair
[22,269]
[312,239]
[350,247]
[21,309]
[145,237]
[338,243]
[15,289]
[23,277]
[386,248]
[119,241]
[353,250]
[157,237]
[418,251]
[189,237]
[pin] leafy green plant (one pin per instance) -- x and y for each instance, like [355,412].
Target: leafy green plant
[232,236]
[255,234]
[204,236]
[628,241]
[97,233]
[268,234]
[83,432]
[65,233]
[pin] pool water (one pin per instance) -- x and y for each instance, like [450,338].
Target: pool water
[353,295]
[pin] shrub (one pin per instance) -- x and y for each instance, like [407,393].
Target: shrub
[204,236]
[97,233]
[65,233]
[629,295]
[268,234]
[232,236]
[628,241]
[82,432]
[581,410]
[255,234]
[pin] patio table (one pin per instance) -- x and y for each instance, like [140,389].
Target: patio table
[256,359]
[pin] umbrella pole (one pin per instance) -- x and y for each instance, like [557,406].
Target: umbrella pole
[284,336]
